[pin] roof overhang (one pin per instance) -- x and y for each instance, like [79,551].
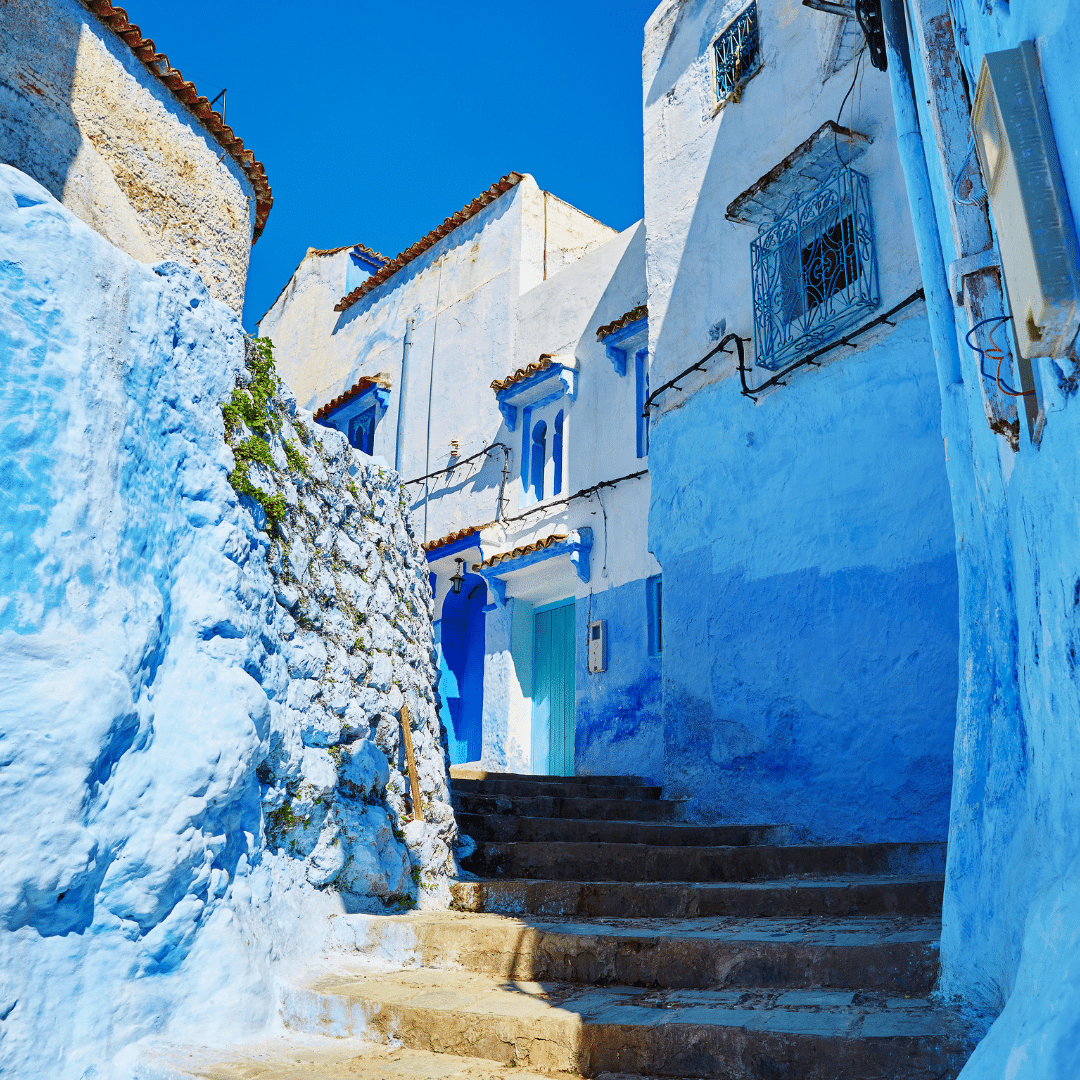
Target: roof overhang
[502,570]
[552,377]
[809,165]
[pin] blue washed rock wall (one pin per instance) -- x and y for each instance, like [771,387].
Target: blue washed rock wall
[1011,934]
[810,598]
[618,723]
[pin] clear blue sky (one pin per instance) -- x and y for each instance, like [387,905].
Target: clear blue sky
[376,121]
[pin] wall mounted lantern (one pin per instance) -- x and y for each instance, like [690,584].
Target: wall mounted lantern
[458,579]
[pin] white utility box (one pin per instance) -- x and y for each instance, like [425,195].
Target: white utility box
[1035,232]
[598,646]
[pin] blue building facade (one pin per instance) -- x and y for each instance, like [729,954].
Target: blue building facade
[986,100]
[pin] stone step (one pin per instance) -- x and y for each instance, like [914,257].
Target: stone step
[643,862]
[854,895]
[497,828]
[468,772]
[897,953]
[562,787]
[580,809]
[796,1034]
[297,1056]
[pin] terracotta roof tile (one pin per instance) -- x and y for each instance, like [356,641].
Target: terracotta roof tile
[640,312]
[365,384]
[448,226]
[523,373]
[157,64]
[517,552]
[453,537]
[350,247]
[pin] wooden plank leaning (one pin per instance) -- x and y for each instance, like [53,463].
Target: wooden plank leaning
[410,760]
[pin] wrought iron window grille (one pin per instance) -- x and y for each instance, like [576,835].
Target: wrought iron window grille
[814,270]
[737,55]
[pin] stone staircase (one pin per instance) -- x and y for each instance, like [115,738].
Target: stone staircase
[602,935]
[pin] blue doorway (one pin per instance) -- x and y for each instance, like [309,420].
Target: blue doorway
[552,749]
[461,682]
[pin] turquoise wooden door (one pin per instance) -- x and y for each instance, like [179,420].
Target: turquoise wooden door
[553,690]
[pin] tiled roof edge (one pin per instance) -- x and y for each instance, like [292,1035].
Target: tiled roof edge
[116,19]
[361,386]
[452,538]
[498,385]
[485,198]
[632,316]
[516,553]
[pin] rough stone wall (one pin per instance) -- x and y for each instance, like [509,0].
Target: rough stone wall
[82,116]
[357,639]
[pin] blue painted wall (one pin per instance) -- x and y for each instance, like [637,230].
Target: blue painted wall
[619,726]
[1011,934]
[461,667]
[810,598]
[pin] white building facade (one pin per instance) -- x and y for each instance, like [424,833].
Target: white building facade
[501,363]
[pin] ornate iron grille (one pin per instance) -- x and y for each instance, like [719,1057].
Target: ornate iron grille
[738,55]
[814,270]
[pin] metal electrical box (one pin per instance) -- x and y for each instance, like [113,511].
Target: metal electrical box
[1036,236]
[598,646]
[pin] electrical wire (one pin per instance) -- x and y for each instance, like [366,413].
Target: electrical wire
[957,197]
[600,500]
[995,352]
[858,60]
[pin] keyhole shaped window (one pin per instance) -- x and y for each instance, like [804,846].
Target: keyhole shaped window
[362,431]
[557,455]
[538,458]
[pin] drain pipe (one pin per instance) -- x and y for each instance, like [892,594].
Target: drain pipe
[402,384]
[939,304]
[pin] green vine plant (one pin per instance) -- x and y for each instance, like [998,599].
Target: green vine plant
[252,407]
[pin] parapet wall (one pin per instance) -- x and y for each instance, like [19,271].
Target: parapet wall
[84,117]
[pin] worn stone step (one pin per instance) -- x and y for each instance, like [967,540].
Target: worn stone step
[854,895]
[789,1034]
[496,828]
[580,809]
[644,862]
[298,1056]
[896,953]
[563,787]
[468,772]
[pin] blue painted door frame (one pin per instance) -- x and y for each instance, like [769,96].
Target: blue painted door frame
[553,689]
[461,684]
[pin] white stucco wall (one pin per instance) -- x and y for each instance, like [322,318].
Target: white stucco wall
[84,117]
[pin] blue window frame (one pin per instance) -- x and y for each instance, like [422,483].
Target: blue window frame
[654,595]
[556,454]
[641,366]
[737,55]
[539,457]
[362,430]
[814,270]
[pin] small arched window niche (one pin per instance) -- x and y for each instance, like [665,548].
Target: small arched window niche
[537,400]
[357,412]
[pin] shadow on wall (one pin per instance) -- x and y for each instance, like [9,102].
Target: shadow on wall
[39,132]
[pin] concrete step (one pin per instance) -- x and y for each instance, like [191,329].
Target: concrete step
[468,772]
[791,1034]
[562,787]
[853,895]
[643,862]
[897,953]
[580,809]
[496,828]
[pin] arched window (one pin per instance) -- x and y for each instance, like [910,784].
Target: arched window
[556,455]
[539,454]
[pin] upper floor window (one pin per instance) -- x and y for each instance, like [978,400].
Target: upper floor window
[538,461]
[556,454]
[814,270]
[737,55]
